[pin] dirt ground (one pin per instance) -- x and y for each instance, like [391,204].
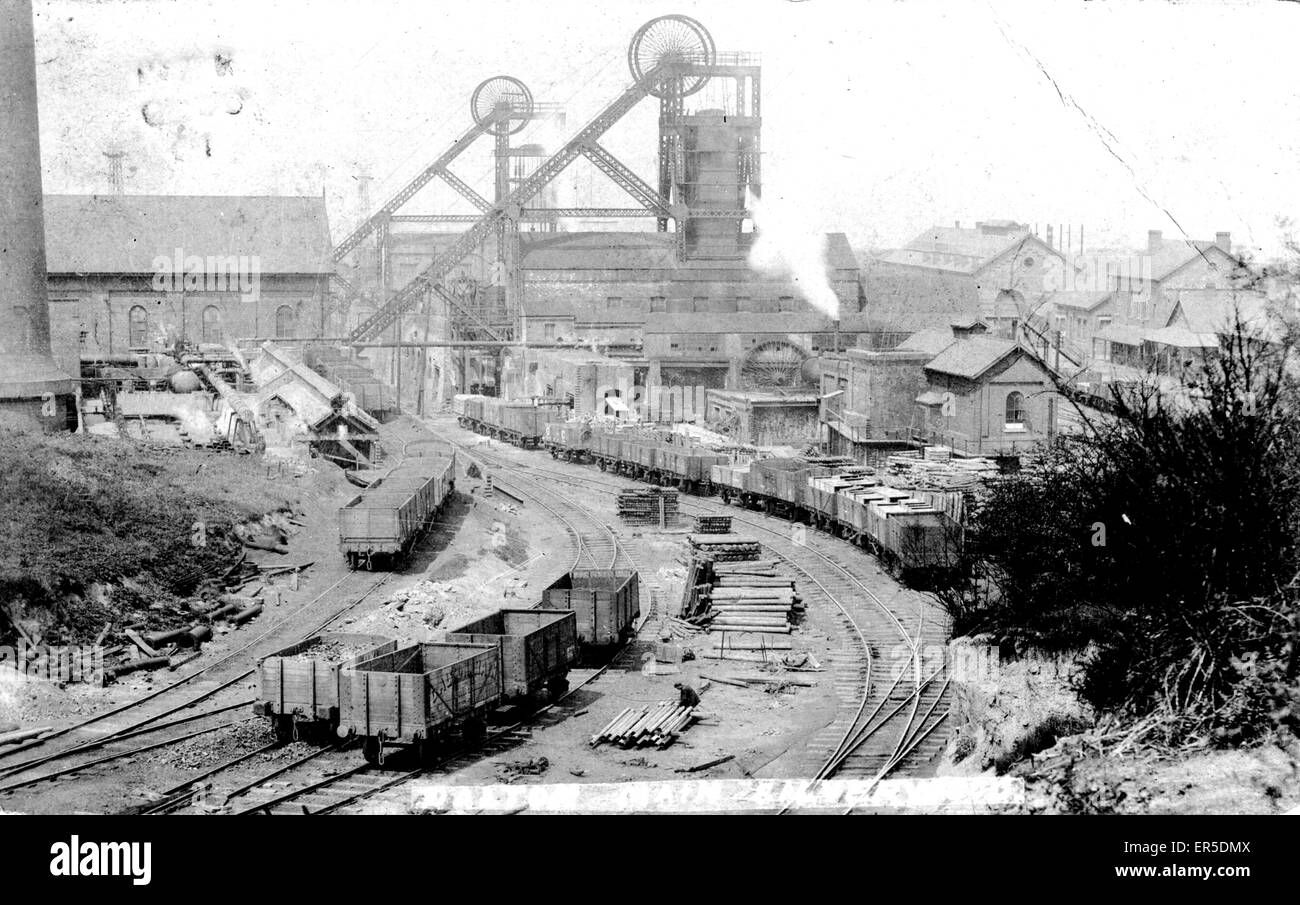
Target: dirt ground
[485,553]
[474,577]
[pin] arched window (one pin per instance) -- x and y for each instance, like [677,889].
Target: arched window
[284,325]
[1015,409]
[138,320]
[212,325]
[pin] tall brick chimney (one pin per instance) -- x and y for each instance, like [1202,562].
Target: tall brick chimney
[33,392]
[1155,239]
[1224,241]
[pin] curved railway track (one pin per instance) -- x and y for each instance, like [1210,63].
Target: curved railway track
[890,676]
[111,734]
[330,779]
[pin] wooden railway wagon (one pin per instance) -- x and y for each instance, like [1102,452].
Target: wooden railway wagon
[605,602]
[729,481]
[298,686]
[414,695]
[520,423]
[538,647]
[607,450]
[689,467]
[568,440]
[380,526]
[912,539]
[823,495]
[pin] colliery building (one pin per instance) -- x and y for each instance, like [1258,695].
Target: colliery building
[140,272]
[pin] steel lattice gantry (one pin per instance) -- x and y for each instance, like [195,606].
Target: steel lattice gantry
[670,58]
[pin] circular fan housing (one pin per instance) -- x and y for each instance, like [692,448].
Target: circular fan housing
[504,99]
[774,364]
[669,45]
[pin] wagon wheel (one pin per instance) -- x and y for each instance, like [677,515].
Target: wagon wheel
[503,102]
[671,45]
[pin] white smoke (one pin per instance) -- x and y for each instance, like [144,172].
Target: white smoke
[789,245]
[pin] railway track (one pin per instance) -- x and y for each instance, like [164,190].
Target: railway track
[113,734]
[889,670]
[331,780]
[170,714]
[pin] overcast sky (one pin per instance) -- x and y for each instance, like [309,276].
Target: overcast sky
[880,119]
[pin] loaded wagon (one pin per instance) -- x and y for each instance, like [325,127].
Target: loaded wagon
[384,522]
[689,467]
[605,602]
[298,686]
[538,647]
[413,695]
[568,440]
[729,481]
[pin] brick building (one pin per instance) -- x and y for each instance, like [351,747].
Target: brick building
[141,271]
[996,271]
[980,394]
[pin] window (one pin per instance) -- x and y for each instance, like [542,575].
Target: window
[1015,411]
[212,325]
[548,332]
[138,320]
[24,319]
[658,303]
[614,301]
[284,326]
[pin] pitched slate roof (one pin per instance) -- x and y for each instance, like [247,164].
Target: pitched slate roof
[959,250]
[933,341]
[1082,300]
[972,356]
[1174,255]
[125,233]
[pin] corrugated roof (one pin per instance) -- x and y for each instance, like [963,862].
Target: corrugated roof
[125,233]
[972,356]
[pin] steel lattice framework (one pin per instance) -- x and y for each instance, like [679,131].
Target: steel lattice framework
[670,58]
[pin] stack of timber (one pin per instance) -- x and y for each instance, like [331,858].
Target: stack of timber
[724,547]
[713,524]
[648,506]
[650,724]
[743,598]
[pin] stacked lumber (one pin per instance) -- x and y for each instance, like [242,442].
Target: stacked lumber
[747,599]
[647,506]
[651,724]
[682,630]
[724,547]
[938,471]
[713,524]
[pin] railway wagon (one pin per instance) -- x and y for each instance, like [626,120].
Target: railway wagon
[411,696]
[729,480]
[689,466]
[824,492]
[380,526]
[605,602]
[568,440]
[298,686]
[607,450]
[538,647]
